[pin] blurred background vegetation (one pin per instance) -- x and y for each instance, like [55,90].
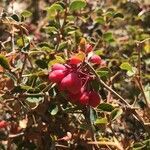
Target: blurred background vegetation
[35,34]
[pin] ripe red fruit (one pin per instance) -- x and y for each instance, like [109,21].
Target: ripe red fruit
[88,48]
[72,83]
[74,60]
[74,98]
[95,59]
[3,124]
[58,67]
[84,99]
[56,75]
[94,99]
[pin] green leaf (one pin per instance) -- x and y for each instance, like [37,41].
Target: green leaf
[52,10]
[106,107]
[93,115]
[53,110]
[52,62]
[118,15]
[103,72]
[21,42]
[34,99]
[131,72]
[95,86]
[100,20]
[54,7]
[126,66]
[116,113]
[77,5]
[63,45]
[44,44]
[26,13]
[47,49]
[4,62]
[60,59]
[101,121]
[41,63]
[142,145]
[15,17]
[107,36]
[51,29]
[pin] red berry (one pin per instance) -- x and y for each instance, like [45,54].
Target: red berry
[74,60]
[74,98]
[58,67]
[88,48]
[56,75]
[72,83]
[84,99]
[3,124]
[94,99]
[95,59]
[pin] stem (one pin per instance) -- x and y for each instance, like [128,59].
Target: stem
[25,56]
[106,86]
[128,107]
[106,143]
[64,22]
[142,90]
[139,77]
[88,119]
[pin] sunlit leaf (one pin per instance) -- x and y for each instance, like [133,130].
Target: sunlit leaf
[26,13]
[53,9]
[118,15]
[132,72]
[116,113]
[41,63]
[34,99]
[60,59]
[108,37]
[100,20]
[106,107]
[101,121]
[53,110]
[126,66]
[77,4]
[4,62]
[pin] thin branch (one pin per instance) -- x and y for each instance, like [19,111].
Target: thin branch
[128,106]
[25,56]
[88,119]
[16,135]
[139,76]
[101,82]
[106,143]
[140,42]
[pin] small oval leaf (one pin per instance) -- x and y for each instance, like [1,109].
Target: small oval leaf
[54,110]
[4,62]
[116,113]
[106,107]
[26,13]
[126,66]
[101,121]
[77,5]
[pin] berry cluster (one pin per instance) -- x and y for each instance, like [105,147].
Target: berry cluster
[74,78]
